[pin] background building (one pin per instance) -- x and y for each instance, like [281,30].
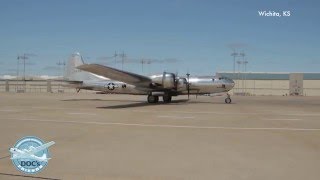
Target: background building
[272,83]
[251,84]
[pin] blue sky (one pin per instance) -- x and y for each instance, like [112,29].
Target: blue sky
[198,33]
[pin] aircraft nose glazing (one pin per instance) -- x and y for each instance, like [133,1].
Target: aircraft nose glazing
[232,83]
[229,83]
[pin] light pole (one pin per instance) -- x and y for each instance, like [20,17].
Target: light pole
[23,57]
[234,54]
[242,75]
[115,58]
[123,56]
[145,61]
[60,64]
[239,63]
[17,67]
[245,76]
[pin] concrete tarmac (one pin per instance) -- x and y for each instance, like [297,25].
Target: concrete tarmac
[123,137]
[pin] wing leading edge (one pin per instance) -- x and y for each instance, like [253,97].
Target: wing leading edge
[116,74]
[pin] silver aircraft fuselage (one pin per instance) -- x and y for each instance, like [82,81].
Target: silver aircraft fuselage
[198,85]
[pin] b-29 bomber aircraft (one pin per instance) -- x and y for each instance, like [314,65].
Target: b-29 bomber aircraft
[165,85]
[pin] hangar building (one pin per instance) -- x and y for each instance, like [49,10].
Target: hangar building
[274,83]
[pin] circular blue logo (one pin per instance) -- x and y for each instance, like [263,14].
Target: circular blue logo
[30,154]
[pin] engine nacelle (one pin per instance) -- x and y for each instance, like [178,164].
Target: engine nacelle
[168,80]
[165,80]
[182,84]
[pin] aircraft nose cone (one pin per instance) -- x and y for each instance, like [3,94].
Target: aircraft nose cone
[232,83]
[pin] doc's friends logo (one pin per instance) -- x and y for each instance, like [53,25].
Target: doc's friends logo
[30,154]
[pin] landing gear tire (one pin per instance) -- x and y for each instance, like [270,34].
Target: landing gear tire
[227,100]
[167,98]
[153,99]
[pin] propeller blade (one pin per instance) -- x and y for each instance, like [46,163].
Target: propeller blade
[188,85]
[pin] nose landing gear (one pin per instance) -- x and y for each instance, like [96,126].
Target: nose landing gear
[228,99]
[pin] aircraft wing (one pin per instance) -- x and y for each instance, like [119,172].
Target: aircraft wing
[40,148]
[116,74]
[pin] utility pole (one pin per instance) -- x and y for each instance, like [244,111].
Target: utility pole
[239,63]
[115,57]
[242,77]
[123,56]
[18,67]
[23,57]
[245,76]
[60,64]
[234,54]
[144,61]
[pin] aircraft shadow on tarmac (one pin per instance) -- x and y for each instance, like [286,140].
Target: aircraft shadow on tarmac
[173,102]
[209,102]
[144,103]
[141,104]
[101,100]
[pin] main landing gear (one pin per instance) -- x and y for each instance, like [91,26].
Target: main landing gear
[167,98]
[228,99]
[155,99]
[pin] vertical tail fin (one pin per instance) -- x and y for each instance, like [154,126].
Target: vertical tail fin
[74,74]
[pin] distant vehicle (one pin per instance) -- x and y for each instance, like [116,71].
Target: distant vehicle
[98,77]
[30,153]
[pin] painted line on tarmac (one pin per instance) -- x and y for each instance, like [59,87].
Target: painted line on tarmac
[163,125]
[36,107]
[8,110]
[183,112]
[76,113]
[224,113]
[176,117]
[283,119]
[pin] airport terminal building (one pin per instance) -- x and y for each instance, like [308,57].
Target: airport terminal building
[273,83]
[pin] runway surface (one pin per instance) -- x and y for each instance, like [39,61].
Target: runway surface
[123,137]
